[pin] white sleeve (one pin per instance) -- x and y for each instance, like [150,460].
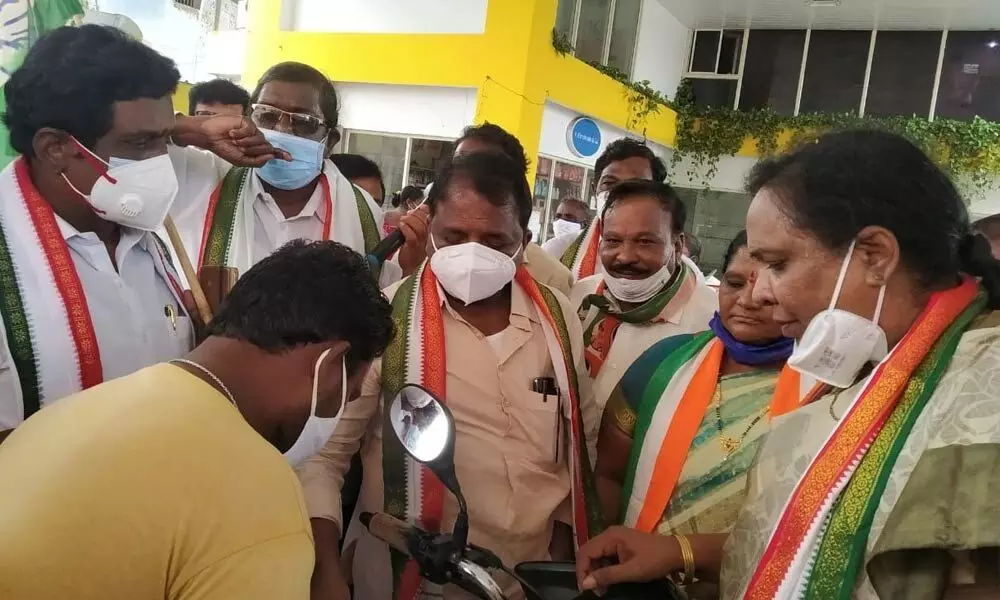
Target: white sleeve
[557,246]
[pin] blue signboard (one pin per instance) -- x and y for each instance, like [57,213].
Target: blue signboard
[583,137]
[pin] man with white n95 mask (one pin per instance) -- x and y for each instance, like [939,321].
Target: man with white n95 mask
[175,482]
[89,292]
[644,292]
[488,331]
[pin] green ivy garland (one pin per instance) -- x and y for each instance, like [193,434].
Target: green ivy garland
[643,100]
[968,151]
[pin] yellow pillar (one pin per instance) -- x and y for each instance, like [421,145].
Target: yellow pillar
[513,91]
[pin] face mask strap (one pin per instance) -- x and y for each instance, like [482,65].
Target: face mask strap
[842,276]
[315,392]
[96,162]
[878,304]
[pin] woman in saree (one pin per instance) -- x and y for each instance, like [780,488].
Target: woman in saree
[887,486]
[682,427]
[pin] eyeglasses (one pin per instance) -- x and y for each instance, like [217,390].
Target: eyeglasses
[302,125]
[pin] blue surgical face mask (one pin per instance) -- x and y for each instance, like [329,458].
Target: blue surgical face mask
[305,166]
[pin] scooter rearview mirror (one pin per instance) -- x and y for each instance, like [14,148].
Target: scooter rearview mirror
[426,429]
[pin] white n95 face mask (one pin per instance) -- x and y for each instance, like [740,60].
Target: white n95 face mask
[133,193]
[561,227]
[837,343]
[471,272]
[318,430]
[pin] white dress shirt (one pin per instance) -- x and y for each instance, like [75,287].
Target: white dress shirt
[128,308]
[199,174]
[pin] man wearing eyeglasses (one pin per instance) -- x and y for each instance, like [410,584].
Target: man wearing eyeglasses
[235,217]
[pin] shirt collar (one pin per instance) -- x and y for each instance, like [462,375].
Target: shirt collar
[129,235]
[522,311]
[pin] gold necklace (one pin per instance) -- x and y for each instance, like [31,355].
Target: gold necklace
[729,443]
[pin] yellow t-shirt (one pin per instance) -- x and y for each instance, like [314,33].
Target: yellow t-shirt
[149,486]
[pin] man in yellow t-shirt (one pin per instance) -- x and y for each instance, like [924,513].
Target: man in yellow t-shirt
[171,482]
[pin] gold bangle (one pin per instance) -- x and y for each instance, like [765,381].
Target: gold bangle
[688,555]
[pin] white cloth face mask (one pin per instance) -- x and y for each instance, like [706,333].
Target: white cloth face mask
[638,290]
[318,430]
[562,227]
[837,343]
[471,272]
[133,193]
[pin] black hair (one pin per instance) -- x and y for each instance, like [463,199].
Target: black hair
[308,293]
[626,148]
[355,166]
[296,72]
[71,79]
[576,202]
[740,241]
[497,136]
[495,176]
[662,192]
[217,91]
[404,196]
[850,180]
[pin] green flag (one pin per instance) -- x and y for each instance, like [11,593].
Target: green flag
[21,23]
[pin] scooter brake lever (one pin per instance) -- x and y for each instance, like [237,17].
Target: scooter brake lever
[483,557]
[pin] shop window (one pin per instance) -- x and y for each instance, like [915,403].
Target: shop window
[715,217]
[835,71]
[426,159]
[554,182]
[592,30]
[388,152]
[716,93]
[902,75]
[716,52]
[624,31]
[601,31]
[771,70]
[970,76]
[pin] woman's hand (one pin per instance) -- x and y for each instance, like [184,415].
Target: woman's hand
[640,556]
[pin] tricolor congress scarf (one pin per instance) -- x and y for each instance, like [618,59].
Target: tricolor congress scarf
[47,320]
[581,257]
[417,355]
[671,411]
[600,333]
[818,545]
[228,232]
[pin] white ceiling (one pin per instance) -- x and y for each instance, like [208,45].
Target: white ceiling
[849,14]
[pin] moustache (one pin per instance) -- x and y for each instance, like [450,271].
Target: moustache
[629,270]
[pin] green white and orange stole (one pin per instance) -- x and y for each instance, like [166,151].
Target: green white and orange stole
[818,546]
[581,256]
[672,408]
[417,355]
[46,318]
[599,334]
[228,231]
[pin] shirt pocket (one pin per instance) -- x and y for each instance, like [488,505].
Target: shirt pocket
[541,427]
[178,339]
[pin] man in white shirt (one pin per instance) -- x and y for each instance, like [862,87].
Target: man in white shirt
[236,217]
[645,292]
[622,160]
[88,292]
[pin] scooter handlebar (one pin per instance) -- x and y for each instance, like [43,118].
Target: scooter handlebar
[397,534]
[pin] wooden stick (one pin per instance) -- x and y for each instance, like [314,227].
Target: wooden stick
[200,300]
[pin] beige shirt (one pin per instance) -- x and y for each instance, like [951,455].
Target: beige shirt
[547,269]
[632,339]
[505,450]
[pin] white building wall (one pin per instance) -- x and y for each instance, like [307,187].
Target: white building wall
[662,48]
[386,16]
[556,120]
[441,112]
